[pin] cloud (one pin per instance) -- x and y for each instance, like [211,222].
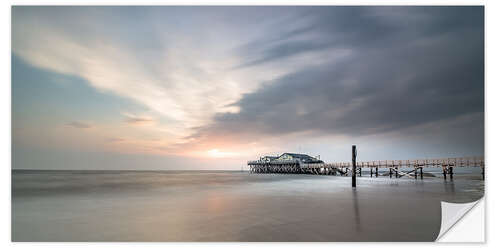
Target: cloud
[138,120]
[78,124]
[268,72]
[359,28]
[115,140]
[155,59]
[410,67]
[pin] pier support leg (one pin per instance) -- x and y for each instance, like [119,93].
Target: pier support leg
[390,172]
[360,169]
[376,172]
[371,172]
[421,173]
[354,165]
[397,172]
[416,173]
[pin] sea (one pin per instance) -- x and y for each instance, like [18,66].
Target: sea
[235,206]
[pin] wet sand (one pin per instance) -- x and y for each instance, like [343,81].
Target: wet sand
[229,206]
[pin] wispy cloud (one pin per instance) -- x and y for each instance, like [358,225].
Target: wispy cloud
[115,140]
[79,124]
[139,121]
[133,119]
[164,66]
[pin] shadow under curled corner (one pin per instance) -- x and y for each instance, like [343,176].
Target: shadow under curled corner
[451,214]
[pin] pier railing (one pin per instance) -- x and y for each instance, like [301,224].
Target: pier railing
[476,161]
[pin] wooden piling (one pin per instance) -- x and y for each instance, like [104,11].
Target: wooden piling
[421,173]
[354,165]
[371,172]
[376,172]
[390,172]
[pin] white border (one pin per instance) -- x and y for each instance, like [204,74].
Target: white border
[254,2]
[492,121]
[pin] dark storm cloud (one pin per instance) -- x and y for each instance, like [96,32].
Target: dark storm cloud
[361,28]
[408,66]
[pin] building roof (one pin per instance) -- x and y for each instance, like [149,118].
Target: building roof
[302,157]
[272,157]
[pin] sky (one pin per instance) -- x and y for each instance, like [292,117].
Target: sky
[151,88]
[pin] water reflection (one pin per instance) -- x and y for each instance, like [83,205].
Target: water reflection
[449,186]
[206,206]
[356,210]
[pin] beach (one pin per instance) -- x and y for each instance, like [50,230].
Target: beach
[230,206]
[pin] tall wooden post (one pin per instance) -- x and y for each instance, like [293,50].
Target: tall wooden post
[354,165]
[421,173]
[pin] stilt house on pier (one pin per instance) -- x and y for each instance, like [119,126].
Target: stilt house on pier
[302,158]
[287,162]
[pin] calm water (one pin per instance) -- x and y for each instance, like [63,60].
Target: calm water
[229,206]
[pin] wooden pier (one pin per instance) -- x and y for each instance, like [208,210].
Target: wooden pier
[395,167]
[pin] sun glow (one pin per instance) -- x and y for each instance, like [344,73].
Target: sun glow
[215,153]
